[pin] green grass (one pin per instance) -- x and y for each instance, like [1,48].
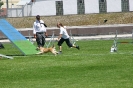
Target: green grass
[93,66]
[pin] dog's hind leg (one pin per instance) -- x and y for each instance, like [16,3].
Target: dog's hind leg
[54,52]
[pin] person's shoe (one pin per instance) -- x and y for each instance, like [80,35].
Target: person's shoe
[60,52]
[78,47]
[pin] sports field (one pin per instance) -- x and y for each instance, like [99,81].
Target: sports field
[93,66]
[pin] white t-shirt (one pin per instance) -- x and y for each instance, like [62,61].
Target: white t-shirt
[64,33]
[38,27]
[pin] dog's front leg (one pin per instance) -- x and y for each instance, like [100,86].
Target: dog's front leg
[39,53]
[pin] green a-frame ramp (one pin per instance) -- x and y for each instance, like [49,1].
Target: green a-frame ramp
[25,46]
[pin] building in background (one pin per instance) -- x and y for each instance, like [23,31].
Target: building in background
[11,3]
[67,7]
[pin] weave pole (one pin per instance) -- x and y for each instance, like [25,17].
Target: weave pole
[30,37]
[114,46]
[51,40]
[73,41]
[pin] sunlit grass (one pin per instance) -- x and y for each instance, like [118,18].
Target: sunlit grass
[93,66]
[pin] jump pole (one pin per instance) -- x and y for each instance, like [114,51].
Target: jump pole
[114,46]
[1,55]
[127,42]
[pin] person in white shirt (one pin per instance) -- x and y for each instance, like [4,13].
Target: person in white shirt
[63,36]
[39,31]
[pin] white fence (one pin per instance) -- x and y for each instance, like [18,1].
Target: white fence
[20,12]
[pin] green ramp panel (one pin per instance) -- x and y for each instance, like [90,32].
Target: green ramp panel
[25,46]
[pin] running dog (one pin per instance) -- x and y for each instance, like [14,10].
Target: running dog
[46,50]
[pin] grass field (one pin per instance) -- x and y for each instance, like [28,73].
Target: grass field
[93,66]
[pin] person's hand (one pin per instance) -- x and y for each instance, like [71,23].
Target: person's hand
[35,36]
[57,39]
[46,35]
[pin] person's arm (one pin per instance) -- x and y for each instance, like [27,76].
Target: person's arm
[34,32]
[59,37]
[34,35]
[46,34]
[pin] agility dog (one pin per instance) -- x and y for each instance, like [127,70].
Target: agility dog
[46,50]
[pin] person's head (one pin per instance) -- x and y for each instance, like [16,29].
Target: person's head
[59,25]
[38,17]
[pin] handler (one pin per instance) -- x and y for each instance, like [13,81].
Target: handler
[63,36]
[39,31]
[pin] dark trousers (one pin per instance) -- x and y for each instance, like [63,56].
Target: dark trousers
[40,39]
[66,40]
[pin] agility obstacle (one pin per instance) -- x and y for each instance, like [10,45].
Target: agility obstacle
[114,47]
[30,38]
[51,42]
[8,57]
[16,38]
[73,41]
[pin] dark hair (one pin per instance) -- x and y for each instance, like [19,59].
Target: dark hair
[38,17]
